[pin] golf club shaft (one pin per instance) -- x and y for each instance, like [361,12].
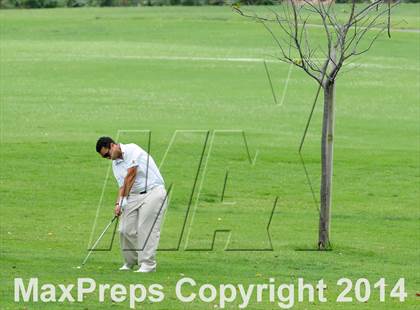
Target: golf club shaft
[99,239]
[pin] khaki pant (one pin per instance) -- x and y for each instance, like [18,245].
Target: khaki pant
[140,226]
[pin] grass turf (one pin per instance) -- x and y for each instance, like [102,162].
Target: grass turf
[69,76]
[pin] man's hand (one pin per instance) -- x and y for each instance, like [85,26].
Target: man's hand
[117,210]
[120,206]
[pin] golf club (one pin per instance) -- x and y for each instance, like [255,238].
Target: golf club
[99,239]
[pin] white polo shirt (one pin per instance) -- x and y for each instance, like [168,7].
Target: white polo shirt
[135,156]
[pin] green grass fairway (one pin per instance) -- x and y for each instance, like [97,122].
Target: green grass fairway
[68,76]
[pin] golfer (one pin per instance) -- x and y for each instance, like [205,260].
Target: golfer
[141,202]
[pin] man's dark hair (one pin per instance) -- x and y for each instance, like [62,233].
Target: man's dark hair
[103,142]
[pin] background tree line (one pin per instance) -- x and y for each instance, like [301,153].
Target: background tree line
[26,4]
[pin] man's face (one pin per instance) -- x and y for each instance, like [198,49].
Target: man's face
[111,152]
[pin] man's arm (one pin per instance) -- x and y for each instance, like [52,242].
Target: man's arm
[129,181]
[119,195]
[126,188]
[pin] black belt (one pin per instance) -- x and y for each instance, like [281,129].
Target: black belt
[143,192]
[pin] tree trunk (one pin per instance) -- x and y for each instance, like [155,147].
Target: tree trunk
[327,165]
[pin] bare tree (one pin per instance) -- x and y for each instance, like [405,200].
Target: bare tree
[345,37]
